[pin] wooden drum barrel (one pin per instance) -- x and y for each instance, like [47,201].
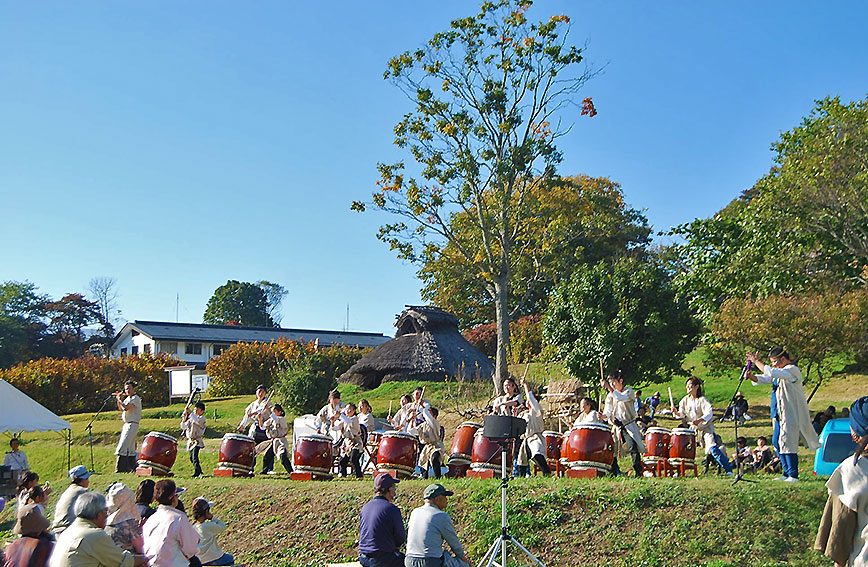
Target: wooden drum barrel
[313,454]
[158,452]
[397,452]
[682,445]
[554,442]
[237,453]
[590,446]
[656,444]
[486,454]
[462,444]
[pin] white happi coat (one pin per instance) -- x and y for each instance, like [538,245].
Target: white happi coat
[428,433]
[592,416]
[533,442]
[692,409]
[324,421]
[621,406]
[194,428]
[793,414]
[849,483]
[253,409]
[131,418]
[277,429]
[351,432]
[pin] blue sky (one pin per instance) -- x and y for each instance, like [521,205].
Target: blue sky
[176,145]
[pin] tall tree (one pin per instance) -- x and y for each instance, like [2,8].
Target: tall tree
[274,294]
[238,303]
[67,319]
[104,292]
[580,220]
[490,95]
[21,325]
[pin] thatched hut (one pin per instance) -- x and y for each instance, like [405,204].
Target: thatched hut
[427,346]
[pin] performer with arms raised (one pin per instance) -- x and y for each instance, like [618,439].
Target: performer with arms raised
[261,405]
[621,413]
[131,405]
[533,445]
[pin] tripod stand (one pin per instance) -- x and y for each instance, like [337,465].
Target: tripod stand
[89,428]
[739,476]
[500,543]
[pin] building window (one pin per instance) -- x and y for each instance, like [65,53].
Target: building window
[169,348]
[193,348]
[220,349]
[123,352]
[147,348]
[135,350]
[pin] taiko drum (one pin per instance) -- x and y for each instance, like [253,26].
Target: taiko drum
[554,441]
[485,454]
[657,443]
[397,452]
[590,446]
[237,453]
[313,454]
[462,443]
[683,444]
[158,452]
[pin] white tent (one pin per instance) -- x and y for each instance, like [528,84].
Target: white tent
[19,412]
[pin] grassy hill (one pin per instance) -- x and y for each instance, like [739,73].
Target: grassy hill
[620,522]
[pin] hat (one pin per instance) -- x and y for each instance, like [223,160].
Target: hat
[739,395]
[384,481]
[776,352]
[435,490]
[859,416]
[121,504]
[202,499]
[656,394]
[79,473]
[180,490]
[30,521]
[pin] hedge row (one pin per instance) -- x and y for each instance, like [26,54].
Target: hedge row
[78,385]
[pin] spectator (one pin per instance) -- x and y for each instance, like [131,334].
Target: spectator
[765,458]
[208,527]
[34,546]
[85,542]
[36,495]
[64,513]
[643,420]
[429,527]
[743,454]
[381,529]
[639,403]
[28,480]
[651,402]
[144,497]
[845,413]
[124,518]
[170,540]
[738,409]
[16,459]
[822,418]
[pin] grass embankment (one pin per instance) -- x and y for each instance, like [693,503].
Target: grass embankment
[619,522]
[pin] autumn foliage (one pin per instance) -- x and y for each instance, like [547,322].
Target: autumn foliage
[81,384]
[525,339]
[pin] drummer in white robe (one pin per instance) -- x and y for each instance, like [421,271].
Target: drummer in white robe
[791,418]
[131,405]
[400,420]
[260,406]
[428,431]
[277,429]
[193,426]
[510,402]
[697,412]
[533,446]
[620,411]
[588,412]
[328,415]
[346,424]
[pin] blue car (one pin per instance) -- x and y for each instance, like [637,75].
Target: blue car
[836,444]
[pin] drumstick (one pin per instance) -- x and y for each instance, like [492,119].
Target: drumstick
[601,370]
[671,401]
[389,416]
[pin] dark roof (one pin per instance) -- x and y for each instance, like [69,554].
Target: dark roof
[159,330]
[417,318]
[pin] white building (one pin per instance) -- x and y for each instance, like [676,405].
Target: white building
[197,343]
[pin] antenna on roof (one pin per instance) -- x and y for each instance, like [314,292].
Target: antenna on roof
[347,326]
[177,299]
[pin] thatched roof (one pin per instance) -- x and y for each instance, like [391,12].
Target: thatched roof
[427,346]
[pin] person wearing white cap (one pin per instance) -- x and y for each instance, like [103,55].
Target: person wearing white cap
[63,513]
[124,518]
[208,527]
[170,540]
[429,528]
[85,544]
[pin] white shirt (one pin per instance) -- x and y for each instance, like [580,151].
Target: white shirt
[16,460]
[170,539]
[208,531]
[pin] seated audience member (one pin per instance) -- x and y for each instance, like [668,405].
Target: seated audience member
[765,458]
[28,480]
[208,527]
[823,417]
[36,495]
[845,413]
[144,498]
[64,513]
[85,542]
[170,540]
[643,420]
[124,518]
[16,459]
[34,546]
[743,454]
[652,402]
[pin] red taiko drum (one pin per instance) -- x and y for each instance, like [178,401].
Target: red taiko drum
[457,469]
[397,452]
[657,443]
[313,454]
[237,453]
[158,452]
[462,443]
[554,441]
[486,454]
[590,446]
[683,444]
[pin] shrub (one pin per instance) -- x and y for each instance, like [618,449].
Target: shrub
[303,385]
[525,339]
[81,384]
[484,338]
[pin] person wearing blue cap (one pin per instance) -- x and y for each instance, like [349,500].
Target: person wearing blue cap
[791,418]
[430,526]
[64,513]
[381,528]
[843,532]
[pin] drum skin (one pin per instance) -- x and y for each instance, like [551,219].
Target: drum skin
[590,446]
[462,443]
[683,444]
[486,453]
[398,452]
[237,450]
[158,451]
[657,442]
[313,453]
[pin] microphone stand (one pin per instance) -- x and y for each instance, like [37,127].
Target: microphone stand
[89,428]
[739,476]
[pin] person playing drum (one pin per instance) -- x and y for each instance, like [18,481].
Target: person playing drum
[277,429]
[131,406]
[696,411]
[346,424]
[261,405]
[428,432]
[621,413]
[533,445]
[328,415]
[399,420]
[588,412]
[193,426]
[510,402]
